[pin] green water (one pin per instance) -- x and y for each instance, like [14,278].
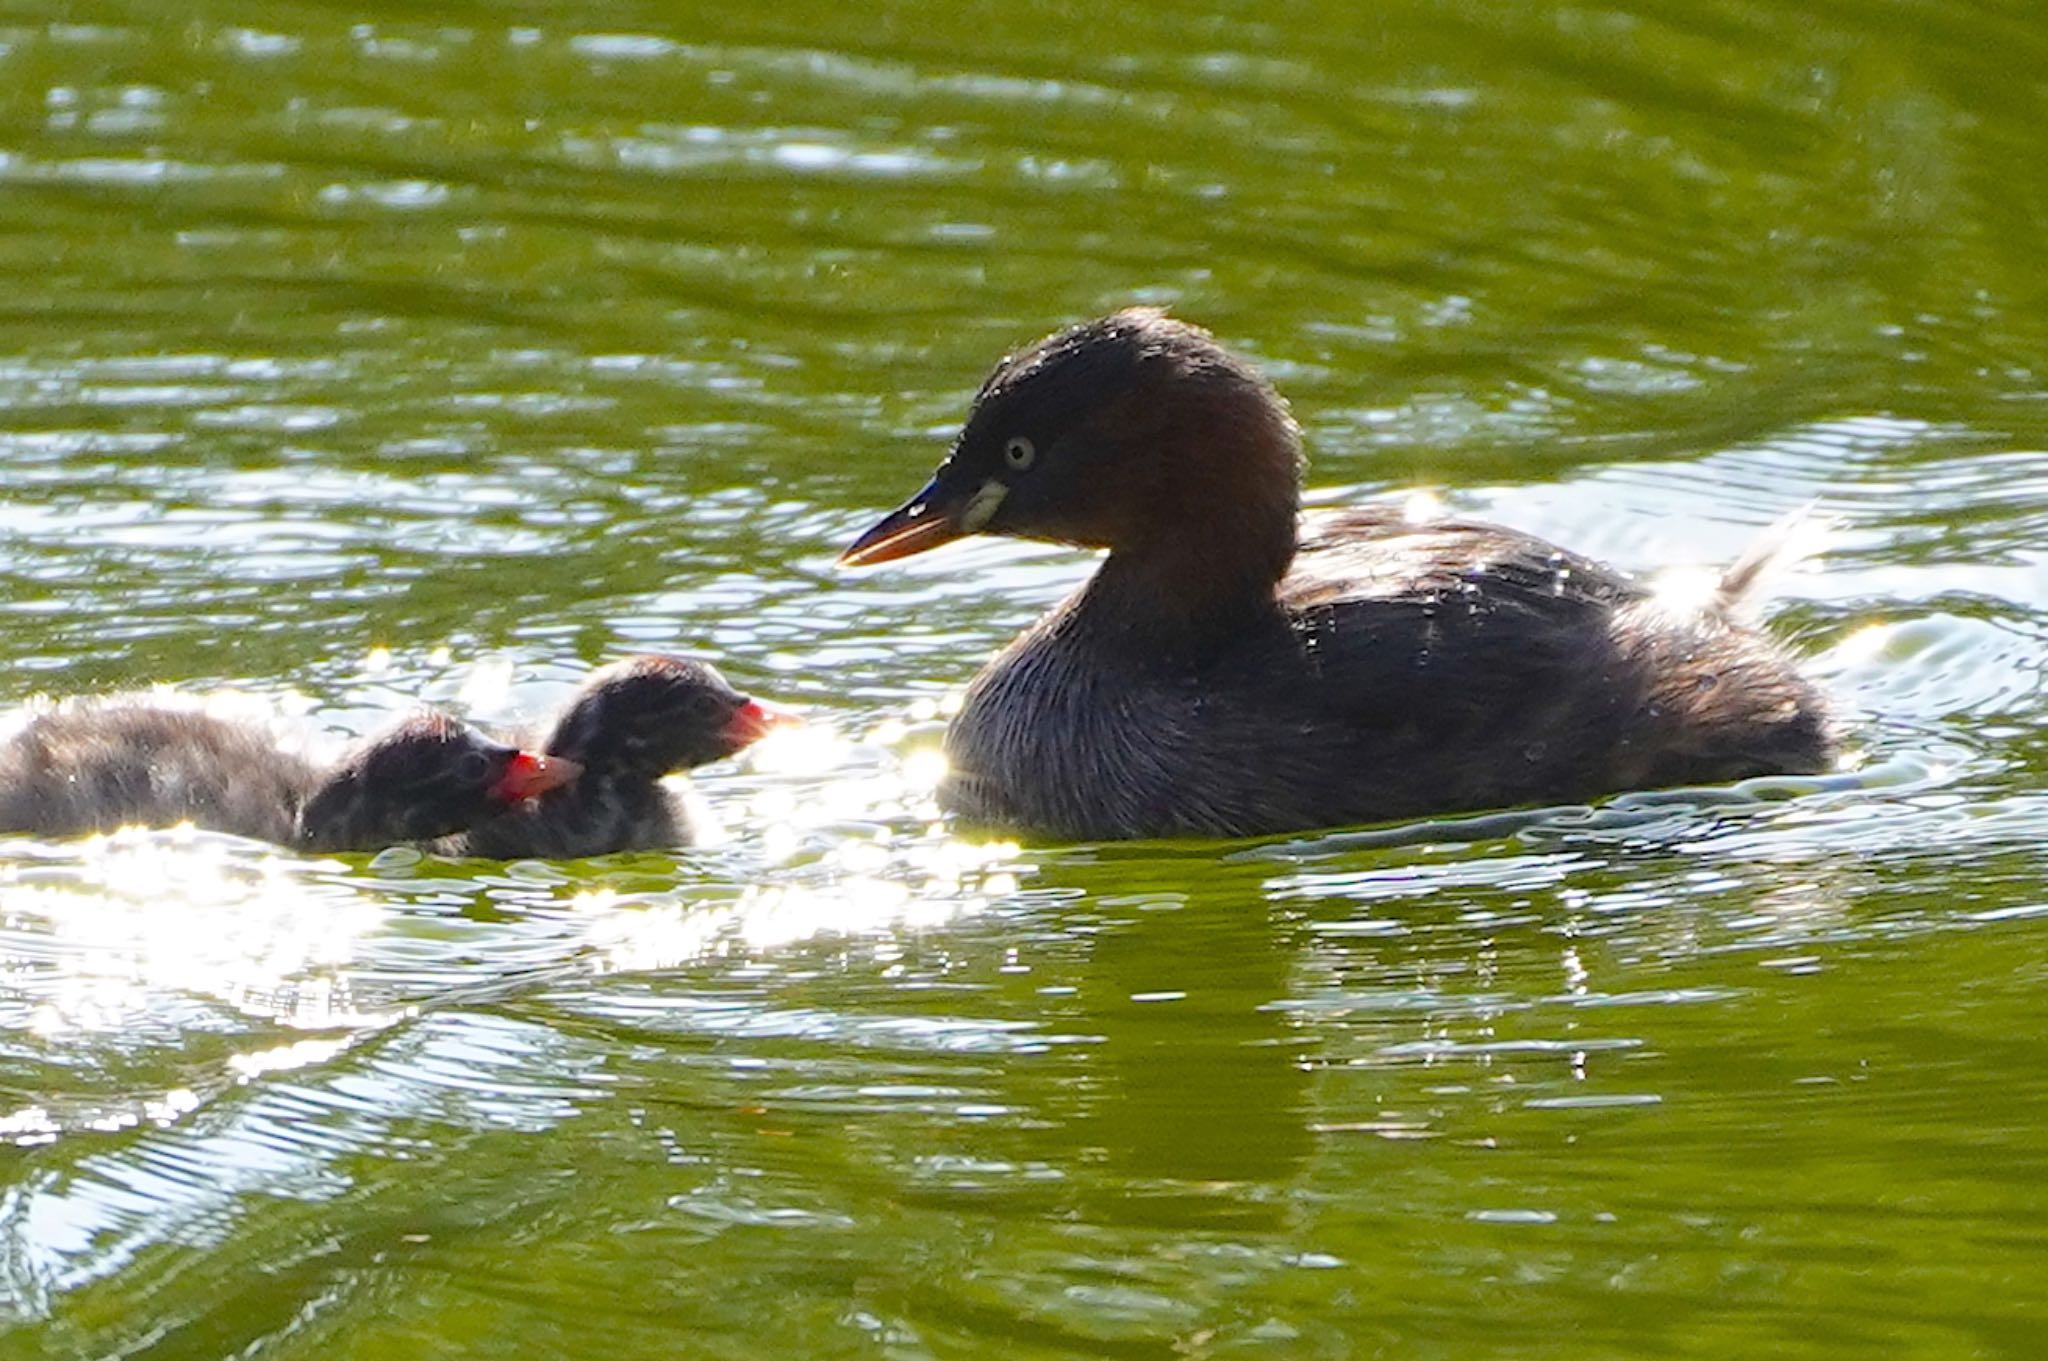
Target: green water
[349,357]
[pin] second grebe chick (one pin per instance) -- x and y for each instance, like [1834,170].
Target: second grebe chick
[626,727]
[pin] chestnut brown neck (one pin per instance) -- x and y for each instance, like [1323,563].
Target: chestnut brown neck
[1207,518]
[1179,595]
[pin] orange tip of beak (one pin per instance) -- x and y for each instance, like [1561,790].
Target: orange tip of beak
[757,718]
[528,774]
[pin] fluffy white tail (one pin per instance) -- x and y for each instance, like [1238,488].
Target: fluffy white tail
[1784,543]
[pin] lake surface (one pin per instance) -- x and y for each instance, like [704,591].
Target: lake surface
[366,355]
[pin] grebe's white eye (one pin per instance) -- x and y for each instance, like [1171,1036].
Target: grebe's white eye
[1019,453]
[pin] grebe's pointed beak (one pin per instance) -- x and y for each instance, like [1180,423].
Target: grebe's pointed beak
[528,774]
[924,521]
[938,514]
[757,718]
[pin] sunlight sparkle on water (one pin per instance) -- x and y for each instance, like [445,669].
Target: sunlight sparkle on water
[285,1057]
[488,686]
[823,777]
[149,913]
[1423,506]
[1865,645]
[923,770]
[1683,592]
[810,750]
[861,889]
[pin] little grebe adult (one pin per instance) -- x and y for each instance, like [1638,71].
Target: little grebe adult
[93,767]
[1235,667]
[629,725]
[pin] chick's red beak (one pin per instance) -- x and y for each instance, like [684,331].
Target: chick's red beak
[926,520]
[755,719]
[528,774]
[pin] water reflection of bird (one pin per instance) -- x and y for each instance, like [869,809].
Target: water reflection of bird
[628,726]
[98,765]
[1235,667]
[1201,1087]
